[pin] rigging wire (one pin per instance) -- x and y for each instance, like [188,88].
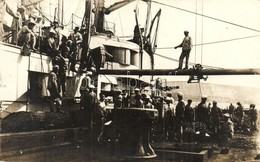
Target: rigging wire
[216,42]
[121,26]
[190,63]
[202,25]
[210,17]
[200,89]
[196,16]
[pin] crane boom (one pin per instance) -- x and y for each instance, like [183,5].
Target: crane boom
[174,72]
[118,5]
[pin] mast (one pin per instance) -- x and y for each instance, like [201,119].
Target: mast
[59,10]
[86,36]
[99,15]
[62,11]
[149,6]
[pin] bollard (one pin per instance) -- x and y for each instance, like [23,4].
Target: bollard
[134,126]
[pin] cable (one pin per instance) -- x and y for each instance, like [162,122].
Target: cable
[176,60]
[216,42]
[196,16]
[77,16]
[121,26]
[200,89]
[202,24]
[224,21]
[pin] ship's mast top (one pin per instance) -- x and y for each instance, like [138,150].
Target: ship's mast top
[100,11]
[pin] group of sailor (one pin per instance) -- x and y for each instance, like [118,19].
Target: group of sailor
[181,118]
[28,32]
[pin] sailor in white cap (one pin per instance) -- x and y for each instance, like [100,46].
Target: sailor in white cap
[215,114]
[228,127]
[168,115]
[202,114]
[89,105]
[180,94]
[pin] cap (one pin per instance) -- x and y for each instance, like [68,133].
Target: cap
[252,105]
[52,31]
[214,102]
[92,86]
[189,100]
[119,97]
[167,99]
[31,22]
[146,89]
[56,67]
[186,31]
[226,115]
[180,94]
[137,89]
[88,73]
[21,8]
[238,103]
[76,28]
[204,96]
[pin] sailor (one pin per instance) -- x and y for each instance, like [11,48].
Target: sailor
[231,109]
[170,96]
[227,131]
[84,88]
[189,121]
[90,106]
[125,98]
[17,23]
[202,113]
[100,115]
[54,89]
[179,116]
[215,115]
[64,64]
[253,116]
[133,97]
[168,118]
[76,38]
[186,45]
[139,102]
[189,113]
[118,102]
[148,101]
[52,49]
[3,9]
[239,113]
[27,36]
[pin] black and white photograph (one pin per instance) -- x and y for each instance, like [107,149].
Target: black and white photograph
[130,80]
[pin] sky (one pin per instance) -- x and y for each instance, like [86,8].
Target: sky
[234,25]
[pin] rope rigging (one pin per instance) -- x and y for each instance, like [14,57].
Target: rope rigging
[213,18]
[216,42]
[176,60]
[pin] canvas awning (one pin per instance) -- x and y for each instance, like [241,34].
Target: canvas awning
[108,79]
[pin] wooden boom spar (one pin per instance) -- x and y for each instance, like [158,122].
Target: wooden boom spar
[252,71]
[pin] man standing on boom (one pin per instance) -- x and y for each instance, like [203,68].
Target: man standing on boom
[186,48]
